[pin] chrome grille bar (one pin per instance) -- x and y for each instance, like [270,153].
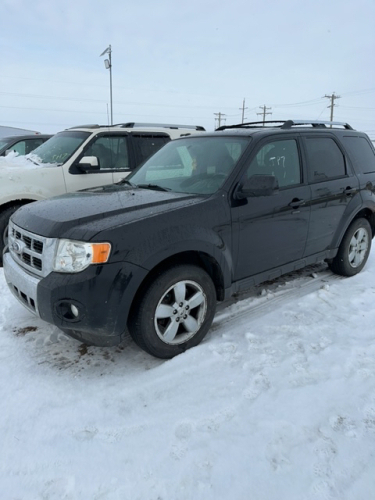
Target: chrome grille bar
[33,252]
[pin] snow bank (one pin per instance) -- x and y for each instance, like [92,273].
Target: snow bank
[278,403]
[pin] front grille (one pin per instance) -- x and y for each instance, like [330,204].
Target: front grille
[33,252]
[38,246]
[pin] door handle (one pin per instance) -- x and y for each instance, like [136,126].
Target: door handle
[296,203]
[350,190]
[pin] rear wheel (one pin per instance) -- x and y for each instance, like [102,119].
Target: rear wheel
[175,312]
[4,221]
[354,249]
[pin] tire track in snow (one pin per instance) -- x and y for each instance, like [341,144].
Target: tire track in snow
[255,304]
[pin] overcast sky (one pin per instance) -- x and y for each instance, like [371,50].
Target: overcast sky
[184,62]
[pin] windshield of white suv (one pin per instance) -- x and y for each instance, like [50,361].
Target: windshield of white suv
[198,165]
[60,147]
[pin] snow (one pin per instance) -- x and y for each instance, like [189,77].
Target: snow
[13,159]
[277,403]
[30,161]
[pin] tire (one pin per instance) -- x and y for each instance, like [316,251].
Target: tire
[175,312]
[354,249]
[4,221]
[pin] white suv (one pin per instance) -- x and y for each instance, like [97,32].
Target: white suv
[78,158]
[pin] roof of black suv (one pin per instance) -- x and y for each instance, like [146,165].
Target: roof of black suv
[288,124]
[281,126]
[8,141]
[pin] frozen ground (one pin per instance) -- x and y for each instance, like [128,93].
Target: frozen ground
[278,403]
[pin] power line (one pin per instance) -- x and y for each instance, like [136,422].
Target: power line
[301,103]
[353,107]
[127,103]
[50,109]
[359,92]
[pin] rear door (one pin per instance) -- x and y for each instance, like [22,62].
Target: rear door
[141,145]
[333,189]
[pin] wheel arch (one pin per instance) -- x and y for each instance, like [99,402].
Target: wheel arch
[365,213]
[197,258]
[6,211]
[354,250]
[13,203]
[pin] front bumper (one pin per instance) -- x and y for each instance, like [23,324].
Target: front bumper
[22,284]
[93,305]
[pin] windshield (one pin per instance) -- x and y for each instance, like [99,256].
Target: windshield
[4,142]
[196,165]
[60,147]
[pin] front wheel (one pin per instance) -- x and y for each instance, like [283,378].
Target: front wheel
[354,249]
[175,312]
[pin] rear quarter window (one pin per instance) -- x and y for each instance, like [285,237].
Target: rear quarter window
[361,153]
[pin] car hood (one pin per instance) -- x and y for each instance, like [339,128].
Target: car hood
[85,213]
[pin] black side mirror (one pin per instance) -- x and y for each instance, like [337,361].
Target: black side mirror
[258,185]
[88,164]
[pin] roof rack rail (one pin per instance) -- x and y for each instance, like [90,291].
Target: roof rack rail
[285,124]
[90,125]
[158,125]
[316,124]
[250,124]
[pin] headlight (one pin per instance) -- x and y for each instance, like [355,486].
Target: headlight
[74,256]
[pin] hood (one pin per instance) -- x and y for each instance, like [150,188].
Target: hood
[85,213]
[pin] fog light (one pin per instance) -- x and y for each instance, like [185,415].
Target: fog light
[74,310]
[69,311]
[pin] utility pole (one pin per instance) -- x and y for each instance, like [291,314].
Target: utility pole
[333,97]
[108,65]
[264,113]
[243,110]
[220,116]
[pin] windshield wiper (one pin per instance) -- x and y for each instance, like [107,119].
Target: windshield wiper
[32,161]
[153,186]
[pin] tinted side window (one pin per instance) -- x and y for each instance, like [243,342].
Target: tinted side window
[278,158]
[146,145]
[361,153]
[31,144]
[325,159]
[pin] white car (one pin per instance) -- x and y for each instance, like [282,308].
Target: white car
[78,158]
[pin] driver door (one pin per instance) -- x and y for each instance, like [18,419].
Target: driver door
[111,150]
[271,231]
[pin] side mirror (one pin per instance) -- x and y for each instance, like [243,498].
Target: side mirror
[88,164]
[8,151]
[258,185]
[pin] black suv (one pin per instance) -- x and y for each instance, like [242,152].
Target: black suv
[22,144]
[204,218]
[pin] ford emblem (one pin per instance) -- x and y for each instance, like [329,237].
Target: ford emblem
[16,247]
